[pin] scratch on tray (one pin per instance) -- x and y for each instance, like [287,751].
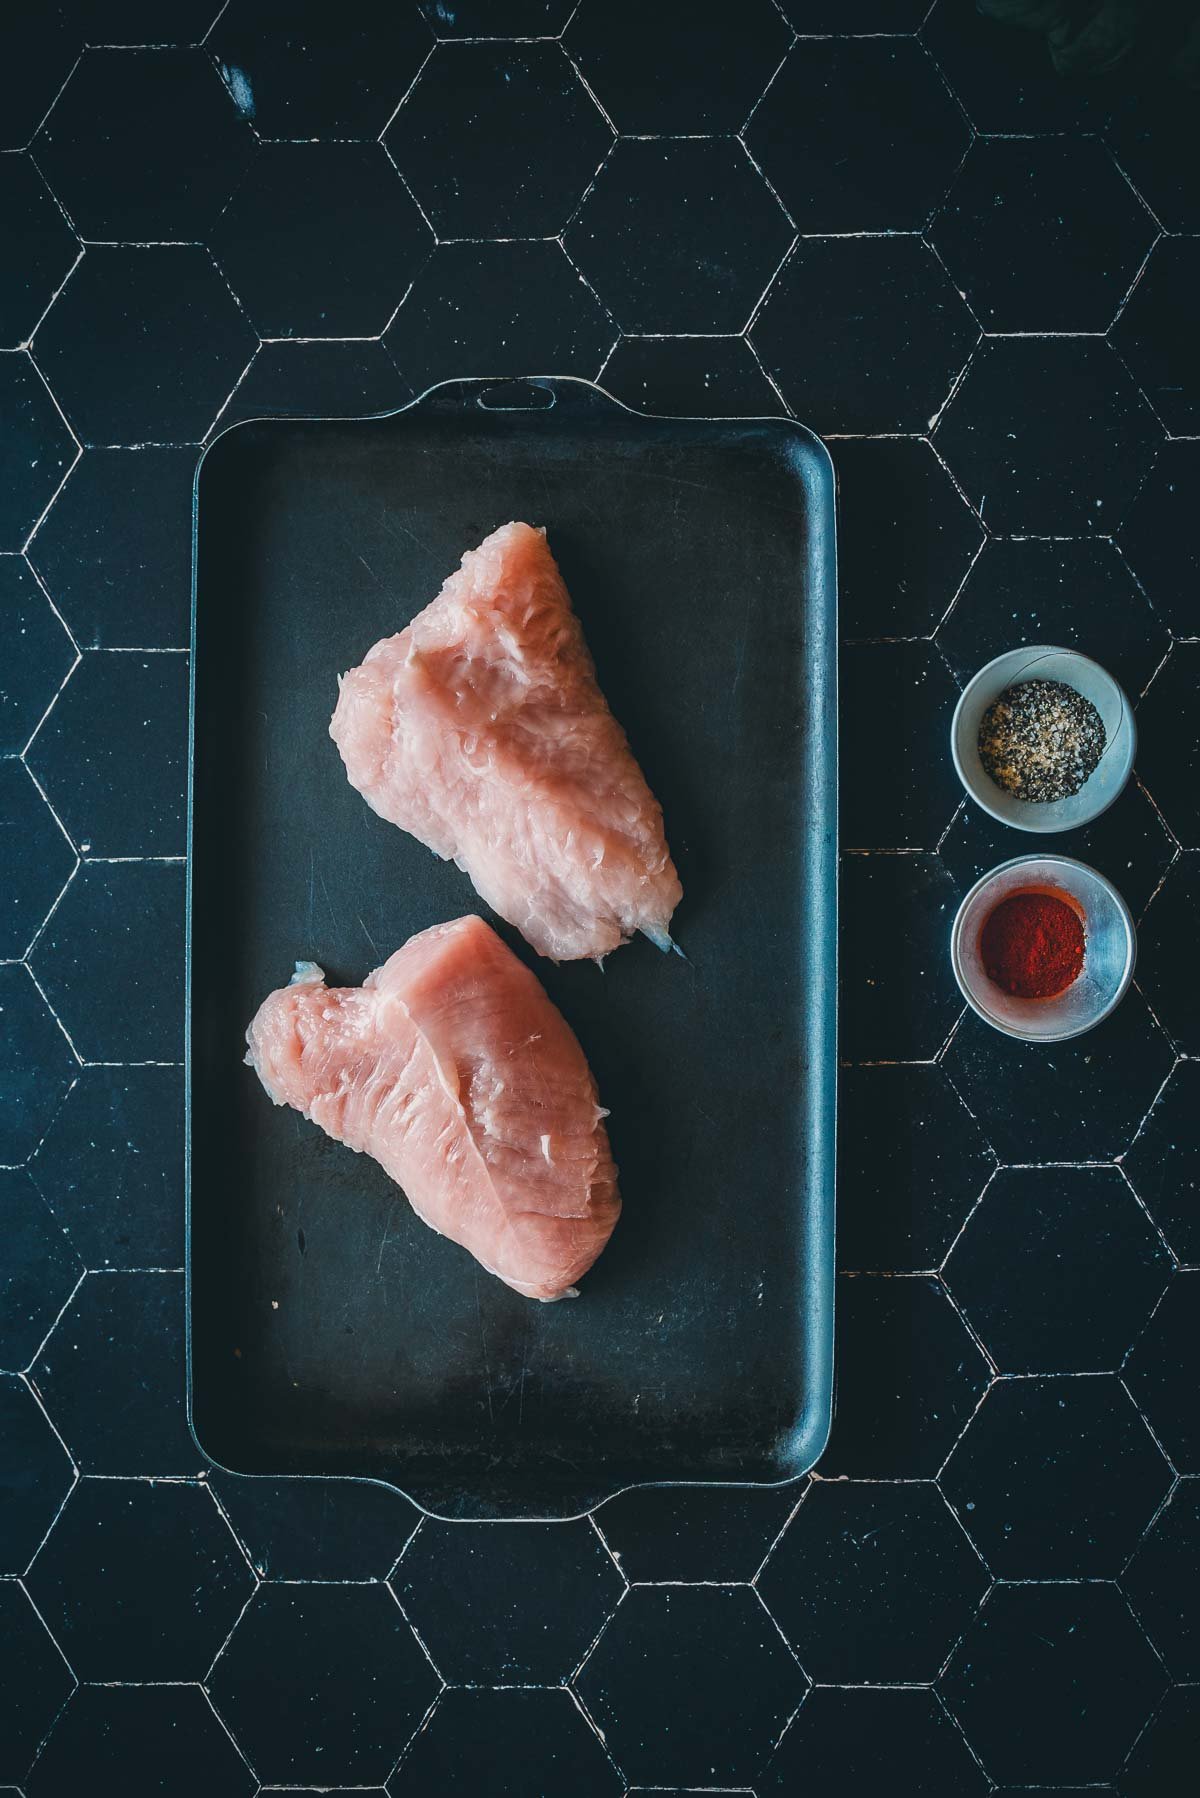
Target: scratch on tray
[368,936]
[312,888]
[741,648]
[487,1366]
[371,571]
[387,1231]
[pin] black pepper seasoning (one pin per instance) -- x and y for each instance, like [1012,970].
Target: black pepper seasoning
[1040,740]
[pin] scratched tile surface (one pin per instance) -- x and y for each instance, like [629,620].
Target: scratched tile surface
[897,223]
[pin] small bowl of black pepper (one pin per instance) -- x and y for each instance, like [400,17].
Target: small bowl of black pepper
[1043,739]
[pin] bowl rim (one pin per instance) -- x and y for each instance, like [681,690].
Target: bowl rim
[1055,1036]
[1035,650]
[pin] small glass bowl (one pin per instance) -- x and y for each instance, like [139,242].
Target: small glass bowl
[1109,954]
[1106,780]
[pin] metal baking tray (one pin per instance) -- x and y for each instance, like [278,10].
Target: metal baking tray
[330,1332]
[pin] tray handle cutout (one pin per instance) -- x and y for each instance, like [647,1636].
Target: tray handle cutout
[516,396]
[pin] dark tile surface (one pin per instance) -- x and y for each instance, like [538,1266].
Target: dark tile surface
[891,1557]
[144,345]
[700,377]
[679,235]
[120,1738]
[1169,927]
[1157,538]
[110,1164]
[1170,759]
[908,1378]
[898,789]
[907,537]
[1058,1269]
[112,755]
[1164,1163]
[516,1605]
[469,139]
[1163,1582]
[1152,134]
[864,334]
[1155,334]
[1077,1100]
[1048,436]
[130,1008]
[36,1066]
[317,1529]
[1163,1369]
[691,1683]
[291,378]
[1042,234]
[38,860]
[1074,594]
[858,134]
[40,248]
[34,1681]
[92,148]
[37,654]
[35,1474]
[1003,76]
[507,1744]
[140,1580]
[911,1163]
[38,1269]
[496,18]
[899,999]
[36,449]
[698,1533]
[861,1743]
[1165,1757]
[302,265]
[41,43]
[115,549]
[322,1682]
[1072,1664]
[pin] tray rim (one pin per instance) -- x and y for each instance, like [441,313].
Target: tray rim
[809,1439]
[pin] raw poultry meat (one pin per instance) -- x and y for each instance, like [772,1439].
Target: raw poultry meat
[453,1069]
[481,730]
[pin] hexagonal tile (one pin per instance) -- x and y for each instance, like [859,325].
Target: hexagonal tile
[1079,1100]
[898,996]
[139,1580]
[92,147]
[1042,234]
[470,139]
[692,1683]
[1163,1369]
[144,345]
[41,43]
[1156,338]
[912,1162]
[696,377]
[1163,1581]
[1151,133]
[905,797]
[106,1731]
[323,1682]
[37,654]
[301,261]
[507,1744]
[513,1605]
[1058,1269]
[36,876]
[112,754]
[698,1534]
[872,1583]
[1071,1663]
[1159,1765]
[37,449]
[909,1377]
[1168,753]
[300,69]
[498,309]
[35,1474]
[138,22]
[1157,537]
[1164,1162]
[34,1681]
[906,540]
[111,1167]
[1004,76]
[677,68]
[41,248]
[36,1066]
[858,134]
[496,18]
[1078,594]
[317,1529]
[303,378]
[114,1380]
[1047,435]
[864,334]
[862,1743]
[1056,1478]
[38,1269]
[1166,940]
[130,1007]
[679,234]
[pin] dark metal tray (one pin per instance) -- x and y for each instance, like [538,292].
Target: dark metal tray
[329,1331]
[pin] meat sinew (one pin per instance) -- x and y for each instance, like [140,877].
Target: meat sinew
[482,731]
[453,1069]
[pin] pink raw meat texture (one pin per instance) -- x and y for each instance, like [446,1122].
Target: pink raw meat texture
[481,730]
[453,1069]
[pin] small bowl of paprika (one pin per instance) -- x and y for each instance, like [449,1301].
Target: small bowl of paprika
[1043,948]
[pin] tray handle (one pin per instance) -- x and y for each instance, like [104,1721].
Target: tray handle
[518,393]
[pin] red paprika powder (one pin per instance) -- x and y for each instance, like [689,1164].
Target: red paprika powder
[1032,945]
